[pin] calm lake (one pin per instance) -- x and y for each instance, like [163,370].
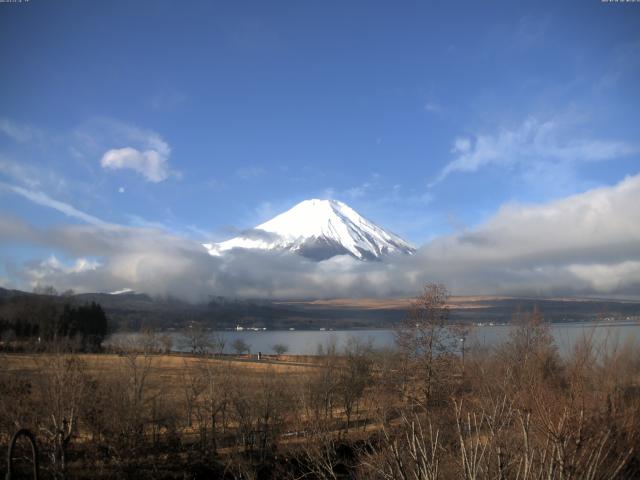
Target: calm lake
[306,342]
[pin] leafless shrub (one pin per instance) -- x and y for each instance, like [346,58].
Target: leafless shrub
[355,376]
[413,451]
[280,348]
[240,346]
[517,412]
[61,385]
[212,408]
[196,339]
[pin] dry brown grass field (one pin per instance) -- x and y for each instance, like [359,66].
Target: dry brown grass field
[399,303]
[167,366]
[518,411]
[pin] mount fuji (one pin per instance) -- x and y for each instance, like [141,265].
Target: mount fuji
[319,229]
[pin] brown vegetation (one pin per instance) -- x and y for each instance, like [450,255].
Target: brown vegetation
[416,412]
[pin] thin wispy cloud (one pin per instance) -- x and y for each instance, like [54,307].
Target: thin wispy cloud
[215,185]
[359,190]
[522,249]
[376,191]
[138,221]
[515,105]
[25,174]
[533,141]
[167,101]
[20,132]
[433,107]
[392,205]
[265,210]
[98,144]
[42,199]
[531,31]
[625,62]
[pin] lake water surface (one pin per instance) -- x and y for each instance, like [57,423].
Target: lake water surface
[306,342]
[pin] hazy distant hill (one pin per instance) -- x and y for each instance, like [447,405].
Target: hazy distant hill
[133,310]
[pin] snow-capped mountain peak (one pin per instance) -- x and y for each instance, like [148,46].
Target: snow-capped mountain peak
[319,229]
[122,291]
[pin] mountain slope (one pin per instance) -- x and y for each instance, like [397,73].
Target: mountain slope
[319,229]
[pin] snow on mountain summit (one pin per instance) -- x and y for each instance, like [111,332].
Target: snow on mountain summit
[319,229]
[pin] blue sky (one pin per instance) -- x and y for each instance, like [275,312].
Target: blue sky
[203,118]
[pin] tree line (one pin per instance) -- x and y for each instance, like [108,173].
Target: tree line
[39,319]
[420,411]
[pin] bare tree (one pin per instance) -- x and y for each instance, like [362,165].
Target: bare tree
[149,341]
[530,350]
[426,336]
[271,405]
[318,454]
[45,290]
[240,346]
[355,376]
[166,341]
[217,342]
[412,452]
[197,339]
[215,379]
[62,386]
[134,396]
[280,348]
[322,387]
[193,386]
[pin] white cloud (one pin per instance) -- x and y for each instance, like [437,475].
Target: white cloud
[44,200]
[23,173]
[585,244]
[624,61]
[461,145]
[145,152]
[151,164]
[110,257]
[606,278]
[588,242]
[530,31]
[531,142]
[138,221]
[37,177]
[265,211]
[433,107]
[359,190]
[52,267]
[329,193]
[19,132]
[167,100]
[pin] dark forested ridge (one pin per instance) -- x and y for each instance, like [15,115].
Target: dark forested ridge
[47,318]
[133,311]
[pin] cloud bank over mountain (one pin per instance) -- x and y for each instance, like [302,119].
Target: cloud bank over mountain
[585,244]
